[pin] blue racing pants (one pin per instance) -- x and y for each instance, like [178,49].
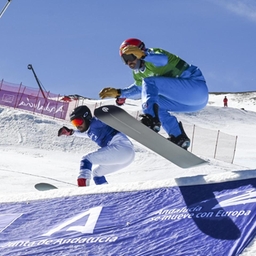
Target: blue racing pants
[186,93]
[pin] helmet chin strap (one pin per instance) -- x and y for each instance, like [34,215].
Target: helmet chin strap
[138,65]
[87,125]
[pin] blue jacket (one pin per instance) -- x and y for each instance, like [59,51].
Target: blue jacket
[98,132]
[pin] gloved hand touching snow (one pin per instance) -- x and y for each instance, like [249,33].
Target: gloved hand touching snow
[65,131]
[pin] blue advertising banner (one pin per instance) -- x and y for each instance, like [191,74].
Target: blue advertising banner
[212,219]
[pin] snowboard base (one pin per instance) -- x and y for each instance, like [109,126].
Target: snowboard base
[120,120]
[44,186]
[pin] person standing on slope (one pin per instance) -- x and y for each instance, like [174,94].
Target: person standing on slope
[225,101]
[116,150]
[165,83]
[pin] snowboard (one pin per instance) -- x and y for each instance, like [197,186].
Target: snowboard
[120,120]
[44,186]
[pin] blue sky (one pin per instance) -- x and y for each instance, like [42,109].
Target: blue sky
[73,44]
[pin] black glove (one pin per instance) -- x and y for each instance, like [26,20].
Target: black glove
[120,101]
[151,122]
[65,131]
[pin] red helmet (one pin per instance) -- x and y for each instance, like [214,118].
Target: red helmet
[131,41]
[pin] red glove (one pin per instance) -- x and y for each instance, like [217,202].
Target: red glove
[65,131]
[120,101]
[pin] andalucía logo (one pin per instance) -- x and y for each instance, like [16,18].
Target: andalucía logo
[233,205]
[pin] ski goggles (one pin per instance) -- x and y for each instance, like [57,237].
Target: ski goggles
[128,57]
[77,121]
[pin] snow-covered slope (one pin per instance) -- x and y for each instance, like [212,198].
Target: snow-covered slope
[31,152]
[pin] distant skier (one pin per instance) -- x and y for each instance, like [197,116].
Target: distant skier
[165,83]
[225,101]
[116,150]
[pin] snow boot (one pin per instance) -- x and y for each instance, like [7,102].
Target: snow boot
[100,180]
[181,140]
[152,122]
[82,182]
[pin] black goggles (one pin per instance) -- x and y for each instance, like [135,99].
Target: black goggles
[128,57]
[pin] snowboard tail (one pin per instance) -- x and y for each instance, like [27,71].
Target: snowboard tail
[120,120]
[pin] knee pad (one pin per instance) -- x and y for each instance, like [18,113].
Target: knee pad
[85,164]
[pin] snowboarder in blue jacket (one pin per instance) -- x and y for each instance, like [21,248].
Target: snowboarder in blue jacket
[165,83]
[116,150]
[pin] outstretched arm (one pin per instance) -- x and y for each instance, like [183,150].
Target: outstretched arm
[132,92]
